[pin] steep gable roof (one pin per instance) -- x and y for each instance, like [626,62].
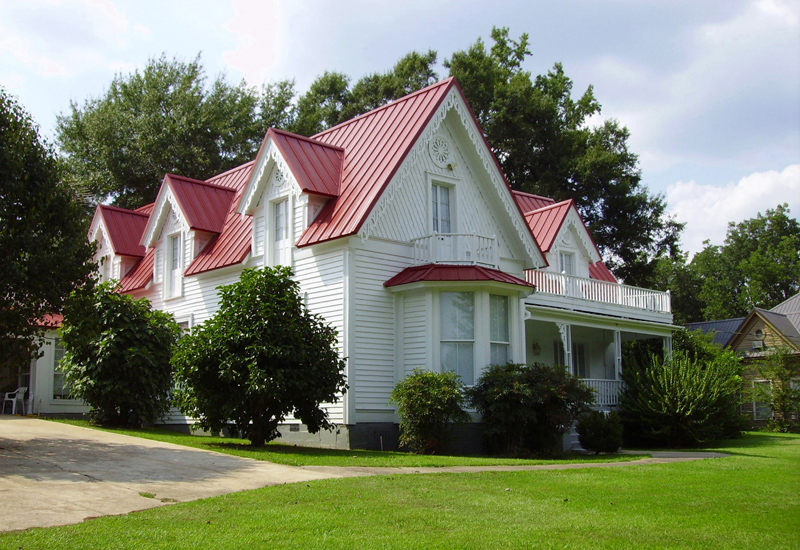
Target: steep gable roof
[376,143]
[316,166]
[546,222]
[124,229]
[529,201]
[140,274]
[232,245]
[600,272]
[783,327]
[204,204]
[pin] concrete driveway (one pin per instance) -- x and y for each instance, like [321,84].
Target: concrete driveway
[57,474]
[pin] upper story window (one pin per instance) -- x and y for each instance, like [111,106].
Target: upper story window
[458,334]
[280,233]
[441,208]
[498,329]
[567,262]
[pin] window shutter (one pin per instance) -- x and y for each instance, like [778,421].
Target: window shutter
[258,235]
[158,266]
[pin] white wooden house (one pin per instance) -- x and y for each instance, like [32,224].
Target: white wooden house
[406,237]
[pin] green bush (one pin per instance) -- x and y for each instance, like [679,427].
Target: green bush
[118,355]
[428,403]
[781,367]
[261,357]
[528,408]
[682,401]
[599,432]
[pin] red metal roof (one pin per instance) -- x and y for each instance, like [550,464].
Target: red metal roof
[125,228]
[376,143]
[204,204]
[146,209]
[438,272]
[139,275]
[545,223]
[51,320]
[600,272]
[317,166]
[232,245]
[528,201]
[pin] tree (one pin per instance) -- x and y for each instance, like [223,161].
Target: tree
[330,100]
[118,353]
[261,357]
[428,404]
[43,226]
[165,119]
[542,139]
[757,266]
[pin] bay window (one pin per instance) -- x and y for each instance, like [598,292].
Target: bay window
[457,326]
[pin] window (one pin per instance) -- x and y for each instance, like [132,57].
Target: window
[761,411]
[174,264]
[558,353]
[579,359]
[499,334]
[458,334]
[567,262]
[60,386]
[280,232]
[441,208]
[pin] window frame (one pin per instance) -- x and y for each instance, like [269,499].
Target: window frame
[278,252]
[450,341]
[494,342]
[57,373]
[173,284]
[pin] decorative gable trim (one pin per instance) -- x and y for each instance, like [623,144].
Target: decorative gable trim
[454,100]
[573,221]
[165,207]
[269,159]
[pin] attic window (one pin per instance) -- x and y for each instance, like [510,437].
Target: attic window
[760,334]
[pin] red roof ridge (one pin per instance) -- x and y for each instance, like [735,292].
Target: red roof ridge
[446,81]
[200,182]
[125,210]
[226,172]
[548,207]
[308,139]
[532,195]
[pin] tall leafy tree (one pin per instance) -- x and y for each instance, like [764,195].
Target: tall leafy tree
[331,100]
[757,266]
[43,226]
[166,118]
[542,137]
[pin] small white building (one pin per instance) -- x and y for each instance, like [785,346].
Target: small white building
[406,237]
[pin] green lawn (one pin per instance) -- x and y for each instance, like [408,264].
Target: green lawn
[309,456]
[749,500]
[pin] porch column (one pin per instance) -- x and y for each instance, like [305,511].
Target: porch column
[668,347]
[618,354]
[566,339]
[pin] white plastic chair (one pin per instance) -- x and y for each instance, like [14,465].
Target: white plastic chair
[14,396]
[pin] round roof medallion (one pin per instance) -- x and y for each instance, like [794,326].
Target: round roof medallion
[440,151]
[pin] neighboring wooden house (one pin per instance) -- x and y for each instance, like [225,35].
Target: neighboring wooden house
[404,234]
[754,337]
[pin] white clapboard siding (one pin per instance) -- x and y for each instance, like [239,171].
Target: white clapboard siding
[406,212]
[416,328]
[258,234]
[373,326]
[158,264]
[321,278]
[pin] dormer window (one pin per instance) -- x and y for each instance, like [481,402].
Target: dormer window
[441,208]
[567,262]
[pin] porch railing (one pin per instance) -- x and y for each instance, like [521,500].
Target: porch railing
[456,248]
[606,391]
[570,286]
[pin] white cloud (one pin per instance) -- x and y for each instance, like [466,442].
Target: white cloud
[259,29]
[707,209]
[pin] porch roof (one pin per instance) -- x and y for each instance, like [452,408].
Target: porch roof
[440,272]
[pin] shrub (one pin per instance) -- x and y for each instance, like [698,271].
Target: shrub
[599,432]
[118,355]
[528,408]
[428,404]
[682,401]
[261,357]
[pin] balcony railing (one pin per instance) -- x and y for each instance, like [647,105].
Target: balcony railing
[606,391]
[571,286]
[456,248]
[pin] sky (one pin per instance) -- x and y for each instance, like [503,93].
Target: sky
[710,90]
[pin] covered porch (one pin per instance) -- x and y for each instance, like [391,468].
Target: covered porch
[590,346]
